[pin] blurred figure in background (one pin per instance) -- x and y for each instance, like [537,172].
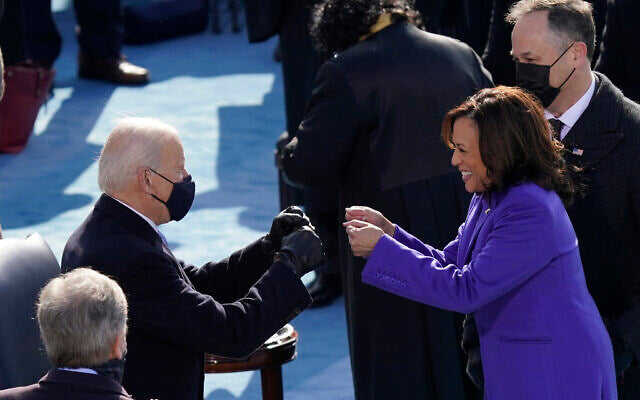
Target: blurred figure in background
[83,323]
[373,127]
[619,50]
[300,63]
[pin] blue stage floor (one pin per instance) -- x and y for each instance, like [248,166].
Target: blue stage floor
[226,99]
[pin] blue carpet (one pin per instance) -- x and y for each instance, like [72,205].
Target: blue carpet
[226,99]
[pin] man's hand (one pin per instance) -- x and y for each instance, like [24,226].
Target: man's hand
[289,220]
[374,217]
[363,237]
[301,250]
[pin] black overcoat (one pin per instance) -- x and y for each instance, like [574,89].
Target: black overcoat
[605,141]
[373,125]
[177,311]
[67,385]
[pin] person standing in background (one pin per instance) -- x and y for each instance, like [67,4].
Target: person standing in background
[300,63]
[372,126]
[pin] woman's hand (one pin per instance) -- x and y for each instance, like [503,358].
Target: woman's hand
[371,216]
[363,237]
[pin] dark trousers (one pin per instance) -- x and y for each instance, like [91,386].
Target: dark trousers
[29,34]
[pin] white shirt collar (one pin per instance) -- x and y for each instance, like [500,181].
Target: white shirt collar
[81,370]
[153,224]
[571,116]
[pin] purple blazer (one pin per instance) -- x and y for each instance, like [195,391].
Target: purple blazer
[514,264]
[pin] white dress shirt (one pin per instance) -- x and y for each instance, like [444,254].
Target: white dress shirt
[571,116]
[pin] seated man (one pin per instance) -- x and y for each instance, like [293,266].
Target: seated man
[82,317]
[178,311]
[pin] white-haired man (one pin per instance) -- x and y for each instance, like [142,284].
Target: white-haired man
[178,311]
[83,323]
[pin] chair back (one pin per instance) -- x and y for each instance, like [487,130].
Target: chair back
[26,265]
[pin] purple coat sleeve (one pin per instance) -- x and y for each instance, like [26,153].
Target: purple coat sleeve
[518,241]
[446,256]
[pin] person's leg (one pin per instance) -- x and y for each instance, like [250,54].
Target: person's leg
[100,27]
[100,34]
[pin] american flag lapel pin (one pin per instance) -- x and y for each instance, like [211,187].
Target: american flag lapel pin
[577,151]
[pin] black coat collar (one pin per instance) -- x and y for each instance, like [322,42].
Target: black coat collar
[129,219]
[83,382]
[596,132]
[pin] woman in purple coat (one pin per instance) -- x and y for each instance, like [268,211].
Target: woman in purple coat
[515,262]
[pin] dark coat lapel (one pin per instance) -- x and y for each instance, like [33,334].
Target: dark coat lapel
[130,220]
[594,133]
[139,227]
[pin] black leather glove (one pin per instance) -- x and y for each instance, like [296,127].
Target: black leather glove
[301,250]
[289,219]
[471,346]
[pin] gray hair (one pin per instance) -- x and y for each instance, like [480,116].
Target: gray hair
[571,20]
[81,313]
[133,143]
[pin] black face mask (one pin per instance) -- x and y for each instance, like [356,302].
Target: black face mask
[181,197]
[535,78]
[113,369]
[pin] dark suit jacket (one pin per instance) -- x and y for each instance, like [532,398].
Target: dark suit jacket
[607,220]
[385,98]
[67,385]
[619,53]
[178,311]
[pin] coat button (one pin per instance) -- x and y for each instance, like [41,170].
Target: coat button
[297,310]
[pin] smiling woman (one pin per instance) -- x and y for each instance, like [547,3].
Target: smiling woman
[515,263]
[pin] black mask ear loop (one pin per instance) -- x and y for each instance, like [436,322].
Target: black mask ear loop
[163,177]
[558,59]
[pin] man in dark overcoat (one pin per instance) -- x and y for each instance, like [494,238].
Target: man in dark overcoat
[179,311]
[373,126]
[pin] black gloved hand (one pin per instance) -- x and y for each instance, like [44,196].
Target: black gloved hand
[301,250]
[289,219]
[471,346]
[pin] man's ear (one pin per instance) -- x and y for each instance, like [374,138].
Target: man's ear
[579,54]
[119,347]
[143,176]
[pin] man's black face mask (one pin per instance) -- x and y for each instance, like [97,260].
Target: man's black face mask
[535,78]
[181,197]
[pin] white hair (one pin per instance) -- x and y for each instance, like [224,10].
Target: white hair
[80,314]
[133,143]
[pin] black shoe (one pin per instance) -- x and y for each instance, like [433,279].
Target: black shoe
[117,70]
[325,289]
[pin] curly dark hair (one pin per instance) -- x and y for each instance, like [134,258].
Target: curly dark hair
[337,25]
[515,141]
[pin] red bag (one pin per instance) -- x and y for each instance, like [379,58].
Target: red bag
[26,88]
